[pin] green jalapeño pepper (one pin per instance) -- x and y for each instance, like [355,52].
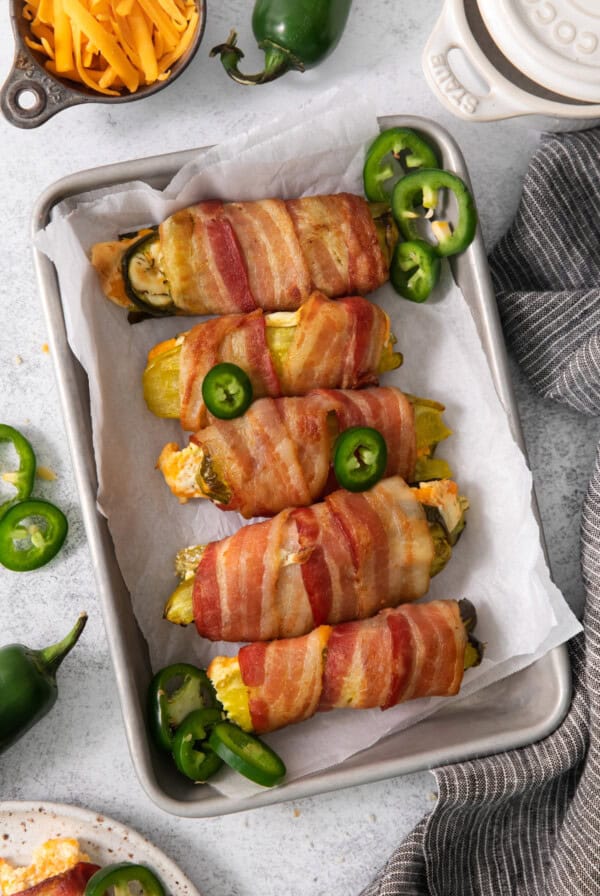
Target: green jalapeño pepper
[295,34]
[22,478]
[116,879]
[227,391]
[415,270]
[247,754]
[359,458]
[474,649]
[421,188]
[193,756]
[174,693]
[31,534]
[28,683]
[394,152]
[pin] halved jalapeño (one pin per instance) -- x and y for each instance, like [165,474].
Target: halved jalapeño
[145,282]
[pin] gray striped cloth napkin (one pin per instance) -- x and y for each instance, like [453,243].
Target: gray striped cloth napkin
[528,821]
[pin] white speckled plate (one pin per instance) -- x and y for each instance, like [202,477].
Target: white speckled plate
[25,825]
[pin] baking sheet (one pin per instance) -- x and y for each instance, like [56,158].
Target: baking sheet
[460,408]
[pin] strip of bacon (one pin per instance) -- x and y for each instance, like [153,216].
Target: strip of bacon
[220,258]
[343,559]
[401,654]
[236,338]
[278,454]
[277,271]
[393,419]
[286,679]
[343,259]
[335,345]
[201,258]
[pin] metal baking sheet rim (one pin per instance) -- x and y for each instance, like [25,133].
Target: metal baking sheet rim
[507,726]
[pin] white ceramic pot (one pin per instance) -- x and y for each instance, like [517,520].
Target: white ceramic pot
[538,60]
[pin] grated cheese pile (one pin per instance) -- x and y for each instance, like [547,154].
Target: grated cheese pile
[111,46]
[51,858]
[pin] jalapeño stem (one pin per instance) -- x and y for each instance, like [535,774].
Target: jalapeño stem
[474,648]
[278,61]
[51,657]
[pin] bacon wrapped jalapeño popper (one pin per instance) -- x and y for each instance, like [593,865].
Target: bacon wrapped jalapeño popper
[279,453]
[402,654]
[343,559]
[71,882]
[226,257]
[324,344]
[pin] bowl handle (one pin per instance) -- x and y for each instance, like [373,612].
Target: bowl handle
[29,96]
[495,99]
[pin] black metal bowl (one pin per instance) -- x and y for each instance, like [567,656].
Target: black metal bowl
[31,94]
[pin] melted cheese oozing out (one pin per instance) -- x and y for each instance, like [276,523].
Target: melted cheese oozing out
[51,858]
[226,676]
[180,469]
[443,494]
[147,276]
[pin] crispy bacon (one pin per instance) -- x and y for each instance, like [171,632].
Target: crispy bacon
[221,258]
[343,559]
[278,454]
[401,654]
[68,883]
[237,338]
[272,673]
[201,257]
[344,259]
[277,271]
[336,345]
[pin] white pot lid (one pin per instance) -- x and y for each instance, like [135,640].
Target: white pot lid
[554,42]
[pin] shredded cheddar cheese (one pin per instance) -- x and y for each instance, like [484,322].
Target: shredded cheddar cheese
[111,46]
[46,474]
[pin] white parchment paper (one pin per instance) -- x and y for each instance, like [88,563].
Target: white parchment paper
[498,562]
